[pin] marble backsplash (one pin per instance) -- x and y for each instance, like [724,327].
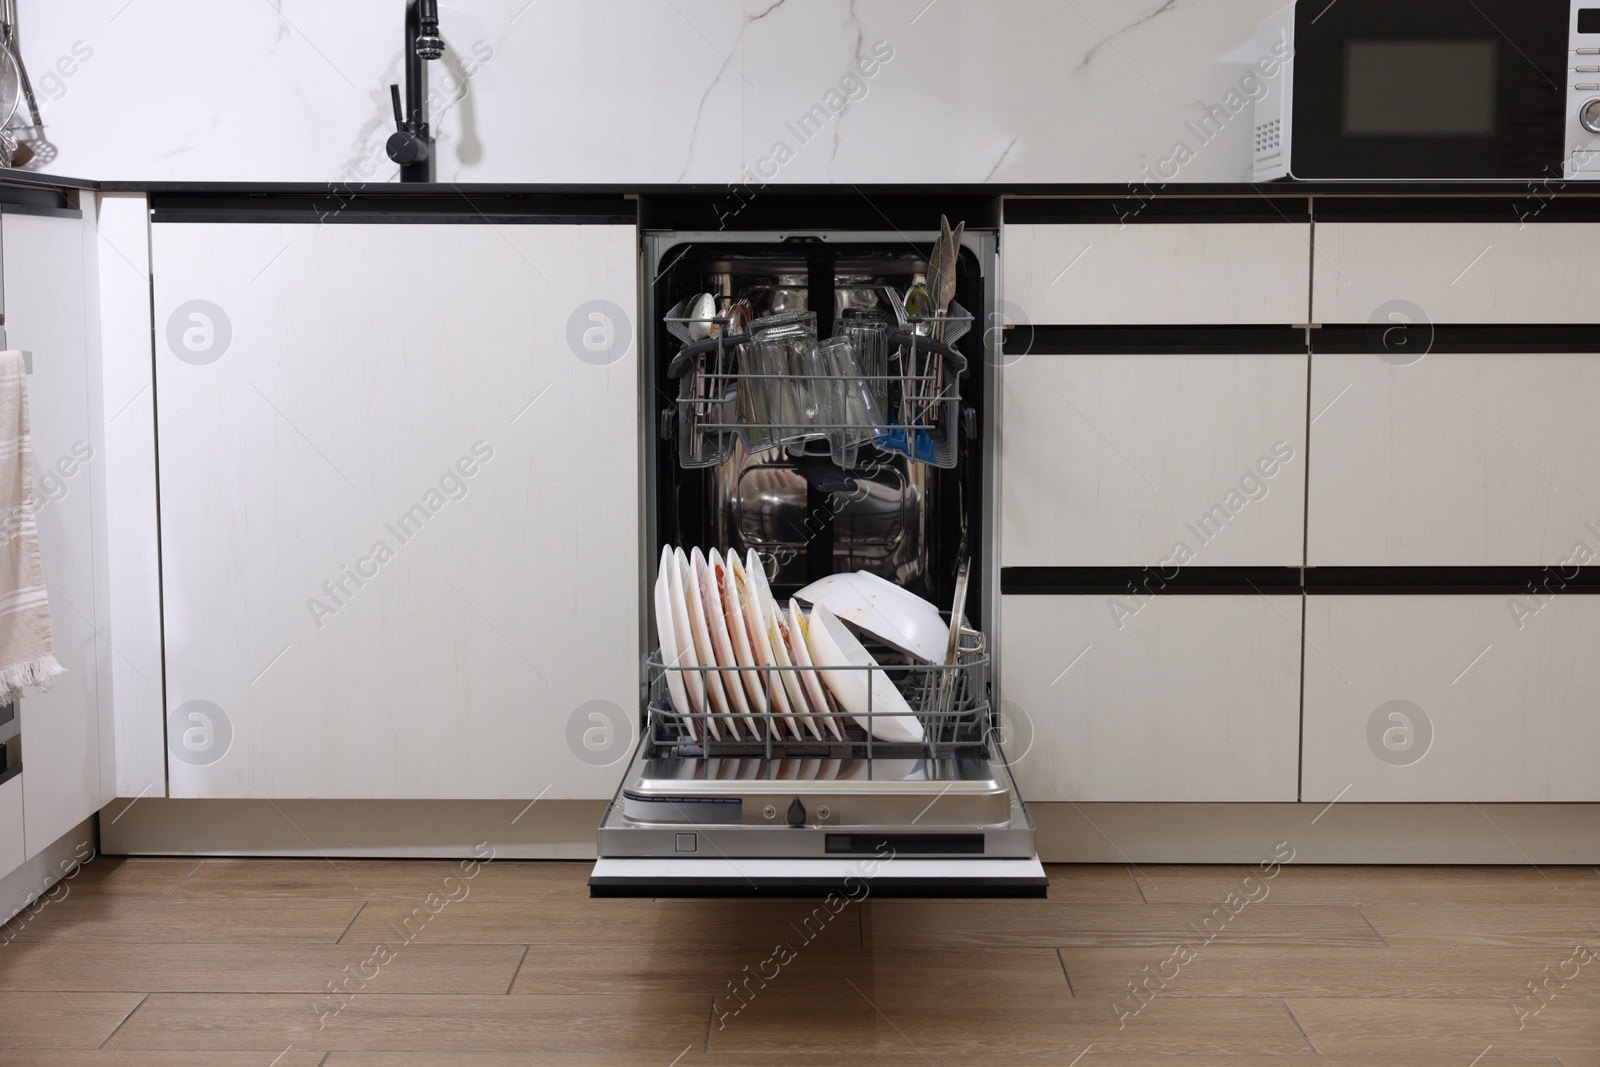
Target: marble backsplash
[651,91]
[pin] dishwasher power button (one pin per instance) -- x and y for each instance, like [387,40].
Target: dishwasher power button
[686,843]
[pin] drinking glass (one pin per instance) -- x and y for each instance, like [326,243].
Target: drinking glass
[854,415]
[868,329]
[786,353]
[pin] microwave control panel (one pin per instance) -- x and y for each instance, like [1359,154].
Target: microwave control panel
[1583,91]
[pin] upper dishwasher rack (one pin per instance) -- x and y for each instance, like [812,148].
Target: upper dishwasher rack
[922,389]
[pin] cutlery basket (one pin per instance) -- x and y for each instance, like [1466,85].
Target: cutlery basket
[724,399]
[951,702]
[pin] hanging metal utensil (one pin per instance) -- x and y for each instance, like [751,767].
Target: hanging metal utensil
[15,91]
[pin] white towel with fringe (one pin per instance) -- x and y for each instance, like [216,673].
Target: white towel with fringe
[27,645]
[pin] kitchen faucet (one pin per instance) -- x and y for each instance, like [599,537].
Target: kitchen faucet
[410,145]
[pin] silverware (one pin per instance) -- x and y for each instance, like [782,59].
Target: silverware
[918,305]
[944,703]
[936,261]
[939,268]
[942,267]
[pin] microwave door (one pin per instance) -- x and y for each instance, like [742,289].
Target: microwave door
[1441,90]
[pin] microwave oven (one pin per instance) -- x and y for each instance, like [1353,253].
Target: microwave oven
[1430,90]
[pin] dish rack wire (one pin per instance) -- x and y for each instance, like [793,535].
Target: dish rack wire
[951,702]
[923,388]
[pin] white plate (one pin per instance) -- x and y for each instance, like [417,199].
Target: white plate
[716,698]
[832,644]
[809,679]
[694,682]
[671,654]
[733,582]
[897,617]
[755,594]
[783,649]
[712,577]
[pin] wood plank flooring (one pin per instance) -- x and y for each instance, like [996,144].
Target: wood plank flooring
[315,963]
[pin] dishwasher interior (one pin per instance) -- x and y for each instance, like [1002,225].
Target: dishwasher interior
[752,806]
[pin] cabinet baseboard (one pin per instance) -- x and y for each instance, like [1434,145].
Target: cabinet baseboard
[1068,833]
[1344,832]
[358,829]
[27,891]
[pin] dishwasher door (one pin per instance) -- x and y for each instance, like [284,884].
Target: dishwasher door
[899,827]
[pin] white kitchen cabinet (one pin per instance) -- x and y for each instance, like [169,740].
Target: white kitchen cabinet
[1456,272]
[399,512]
[12,849]
[1156,273]
[1180,698]
[1450,699]
[135,740]
[1460,459]
[1132,460]
[50,311]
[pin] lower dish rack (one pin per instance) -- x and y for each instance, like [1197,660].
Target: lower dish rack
[946,792]
[949,704]
[770,812]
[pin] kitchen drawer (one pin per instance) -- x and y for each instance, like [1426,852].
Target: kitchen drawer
[1122,460]
[1189,698]
[1461,459]
[1151,274]
[1456,272]
[1498,704]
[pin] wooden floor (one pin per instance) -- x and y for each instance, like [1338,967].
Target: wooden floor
[180,963]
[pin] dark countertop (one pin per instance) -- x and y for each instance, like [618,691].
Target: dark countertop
[1291,189]
[27,179]
[839,206]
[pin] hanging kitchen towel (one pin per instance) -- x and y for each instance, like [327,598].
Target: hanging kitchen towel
[27,646]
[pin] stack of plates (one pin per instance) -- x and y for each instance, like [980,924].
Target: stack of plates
[721,632]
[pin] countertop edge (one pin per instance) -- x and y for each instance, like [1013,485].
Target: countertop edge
[1289,188]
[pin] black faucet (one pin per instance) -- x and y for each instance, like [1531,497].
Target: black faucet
[411,145]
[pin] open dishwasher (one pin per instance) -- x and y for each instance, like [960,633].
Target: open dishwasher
[910,793]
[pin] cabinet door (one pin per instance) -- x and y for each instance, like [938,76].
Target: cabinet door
[1456,272]
[399,512]
[1156,273]
[48,311]
[12,851]
[1131,460]
[135,739]
[1460,459]
[1180,698]
[1452,698]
